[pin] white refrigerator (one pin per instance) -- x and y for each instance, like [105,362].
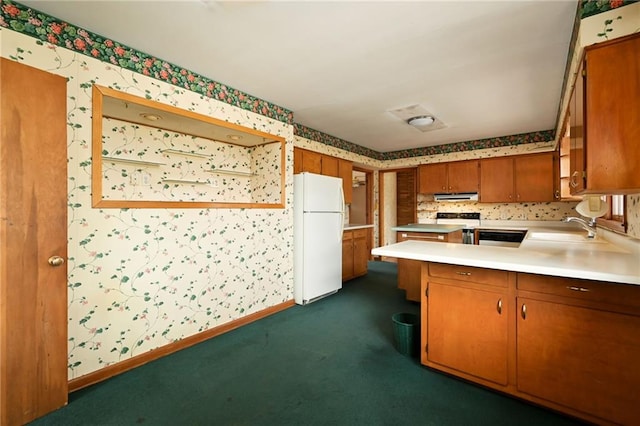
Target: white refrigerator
[318,216]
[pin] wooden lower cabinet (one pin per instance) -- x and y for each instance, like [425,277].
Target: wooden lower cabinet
[568,344]
[468,330]
[355,253]
[409,270]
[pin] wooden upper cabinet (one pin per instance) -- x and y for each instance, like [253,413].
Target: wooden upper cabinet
[456,176]
[297,161]
[314,162]
[522,178]
[432,178]
[311,162]
[345,171]
[329,166]
[536,177]
[577,172]
[464,176]
[496,180]
[611,127]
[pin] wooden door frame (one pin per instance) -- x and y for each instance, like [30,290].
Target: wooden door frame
[369,204]
[381,191]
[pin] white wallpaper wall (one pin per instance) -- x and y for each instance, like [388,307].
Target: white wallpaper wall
[142,278]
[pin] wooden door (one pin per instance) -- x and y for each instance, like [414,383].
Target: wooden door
[33,197]
[582,358]
[406,202]
[535,177]
[468,331]
[496,180]
[432,178]
[464,176]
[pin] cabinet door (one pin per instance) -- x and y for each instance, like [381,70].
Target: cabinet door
[464,176]
[345,170]
[347,255]
[586,359]
[432,178]
[468,331]
[577,150]
[360,252]
[496,180]
[535,177]
[330,166]
[311,162]
[612,123]
[297,161]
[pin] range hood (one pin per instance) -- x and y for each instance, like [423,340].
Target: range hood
[462,196]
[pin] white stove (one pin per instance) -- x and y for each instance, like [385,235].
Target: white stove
[470,221]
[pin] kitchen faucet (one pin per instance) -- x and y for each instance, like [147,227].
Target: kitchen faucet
[589,226]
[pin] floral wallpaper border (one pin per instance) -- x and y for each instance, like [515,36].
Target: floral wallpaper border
[594,7]
[501,141]
[48,29]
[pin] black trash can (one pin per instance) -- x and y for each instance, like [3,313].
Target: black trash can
[406,333]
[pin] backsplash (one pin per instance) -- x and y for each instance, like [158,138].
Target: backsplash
[551,211]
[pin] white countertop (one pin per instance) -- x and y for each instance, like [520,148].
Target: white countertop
[352,226]
[428,227]
[612,260]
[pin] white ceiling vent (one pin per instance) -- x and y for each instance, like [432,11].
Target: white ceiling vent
[407,113]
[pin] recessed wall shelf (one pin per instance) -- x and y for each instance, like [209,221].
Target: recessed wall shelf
[187,153]
[185,160]
[230,172]
[128,161]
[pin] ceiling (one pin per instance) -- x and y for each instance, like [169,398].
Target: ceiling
[483,69]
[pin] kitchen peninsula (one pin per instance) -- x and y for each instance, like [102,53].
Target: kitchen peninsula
[409,270]
[554,321]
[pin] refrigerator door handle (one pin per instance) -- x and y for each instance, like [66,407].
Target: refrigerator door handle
[342,215]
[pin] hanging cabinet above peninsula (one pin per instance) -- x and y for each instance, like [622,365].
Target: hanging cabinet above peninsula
[605,119]
[146,154]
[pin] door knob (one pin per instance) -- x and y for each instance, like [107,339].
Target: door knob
[55,261]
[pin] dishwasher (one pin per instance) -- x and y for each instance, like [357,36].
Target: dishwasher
[501,237]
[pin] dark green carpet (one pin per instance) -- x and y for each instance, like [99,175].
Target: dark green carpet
[328,363]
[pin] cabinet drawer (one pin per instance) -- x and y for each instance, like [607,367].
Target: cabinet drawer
[422,236]
[469,274]
[347,235]
[595,291]
[360,233]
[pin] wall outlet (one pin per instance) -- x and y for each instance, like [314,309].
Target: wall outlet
[140,178]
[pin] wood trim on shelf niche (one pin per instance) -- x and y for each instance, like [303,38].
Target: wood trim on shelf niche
[124,107]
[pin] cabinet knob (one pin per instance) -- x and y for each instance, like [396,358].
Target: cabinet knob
[499,306]
[523,311]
